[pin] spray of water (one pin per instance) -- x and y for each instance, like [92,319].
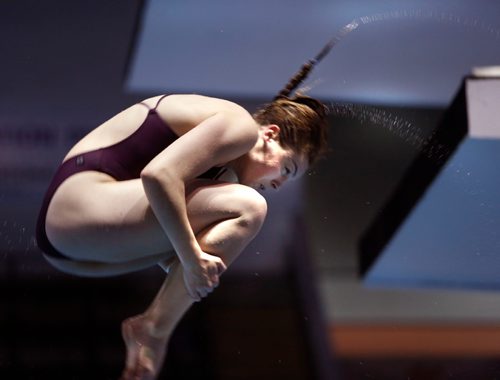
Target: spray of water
[401,128]
[435,16]
[420,15]
[14,237]
[409,133]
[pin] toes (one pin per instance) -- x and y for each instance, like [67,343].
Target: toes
[148,358]
[127,374]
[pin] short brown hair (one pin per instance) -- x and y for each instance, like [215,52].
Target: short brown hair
[303,124]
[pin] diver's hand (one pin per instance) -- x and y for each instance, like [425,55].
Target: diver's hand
[201,276]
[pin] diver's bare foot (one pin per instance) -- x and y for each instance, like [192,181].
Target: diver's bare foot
[145,352]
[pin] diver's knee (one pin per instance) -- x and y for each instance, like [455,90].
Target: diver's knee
[253,210]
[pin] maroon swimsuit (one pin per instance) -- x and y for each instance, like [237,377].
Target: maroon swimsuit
[123,161]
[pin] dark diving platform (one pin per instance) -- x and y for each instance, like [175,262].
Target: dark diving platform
[441,227]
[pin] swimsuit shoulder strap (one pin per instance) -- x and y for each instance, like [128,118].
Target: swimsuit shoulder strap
[159,100]
[157,103]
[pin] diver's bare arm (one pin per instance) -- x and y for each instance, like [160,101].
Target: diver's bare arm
[218,139]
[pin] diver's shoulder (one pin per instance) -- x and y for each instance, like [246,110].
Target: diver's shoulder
[217,104]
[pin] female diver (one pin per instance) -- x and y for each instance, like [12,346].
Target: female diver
[175,181]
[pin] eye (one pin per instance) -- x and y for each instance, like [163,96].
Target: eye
[286,171]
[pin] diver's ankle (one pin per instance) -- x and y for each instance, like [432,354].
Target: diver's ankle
[155,328]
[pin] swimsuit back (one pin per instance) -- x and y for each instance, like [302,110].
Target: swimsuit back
[126,159]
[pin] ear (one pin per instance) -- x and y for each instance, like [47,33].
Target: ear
[272,132]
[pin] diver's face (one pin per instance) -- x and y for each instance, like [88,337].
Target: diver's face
[270,165]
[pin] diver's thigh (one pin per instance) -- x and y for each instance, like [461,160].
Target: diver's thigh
[94,218]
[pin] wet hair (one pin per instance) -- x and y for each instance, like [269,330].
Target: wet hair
[302,120]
